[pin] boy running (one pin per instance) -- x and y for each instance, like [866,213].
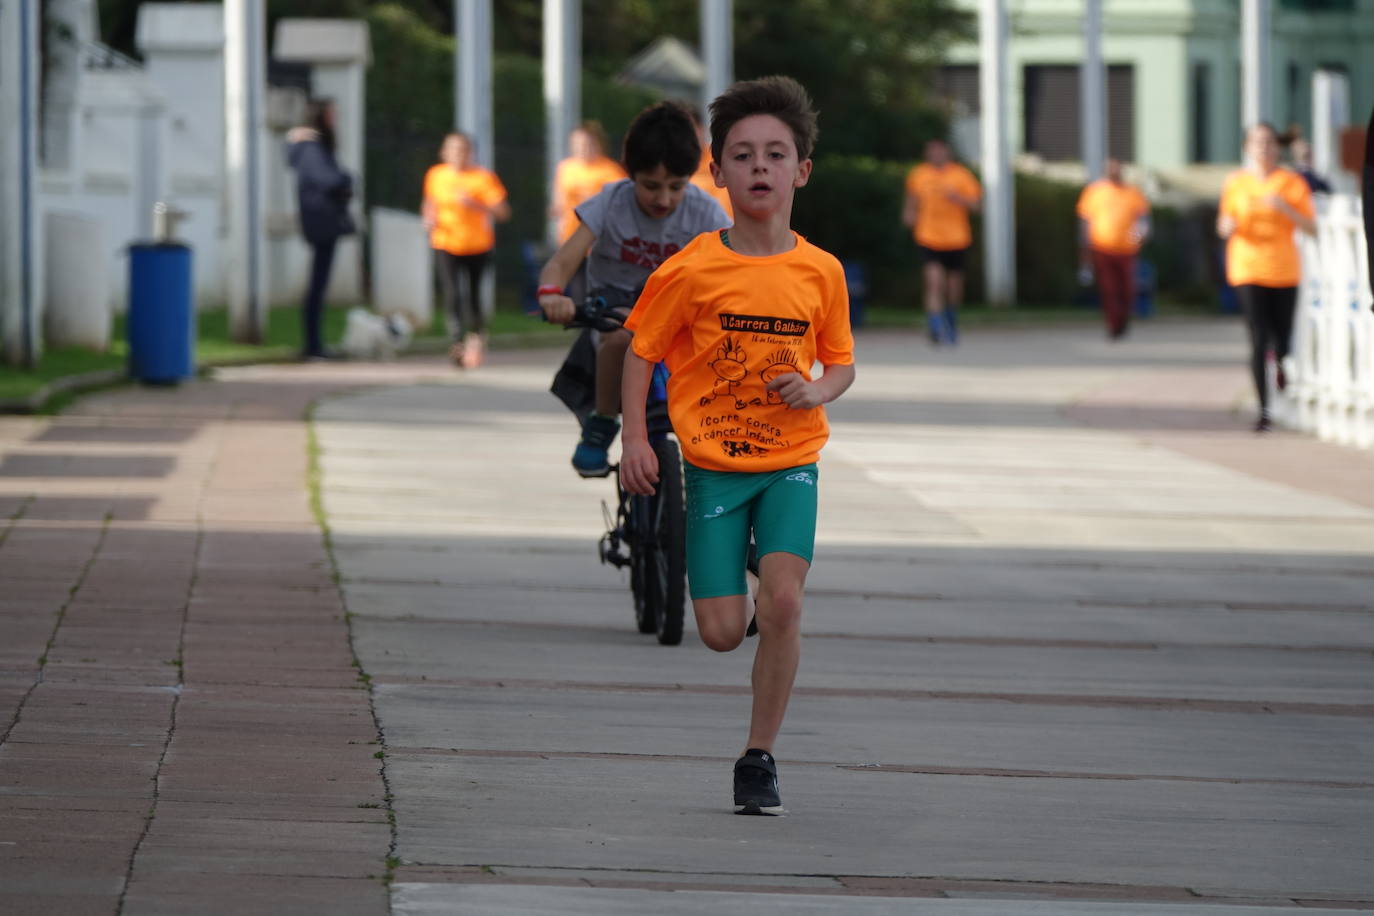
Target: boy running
[741,317]
[624,232]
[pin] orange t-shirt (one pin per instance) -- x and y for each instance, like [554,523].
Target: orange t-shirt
[726,325]
[1262,251]
[1112,211]
[942,224]
[703,180]
[459,228]
[576,180]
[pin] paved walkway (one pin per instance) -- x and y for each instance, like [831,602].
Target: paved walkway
[1076,642]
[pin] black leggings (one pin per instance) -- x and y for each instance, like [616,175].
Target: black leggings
[460,282]
[1269,317]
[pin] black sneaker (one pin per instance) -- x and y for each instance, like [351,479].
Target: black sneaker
[756,784]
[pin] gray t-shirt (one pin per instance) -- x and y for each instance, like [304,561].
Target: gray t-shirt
[630,244]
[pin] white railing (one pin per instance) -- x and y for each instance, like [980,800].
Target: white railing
[1330,370]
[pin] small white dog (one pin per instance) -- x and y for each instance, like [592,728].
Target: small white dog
[368,335]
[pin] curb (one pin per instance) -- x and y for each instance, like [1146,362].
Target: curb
[108,378]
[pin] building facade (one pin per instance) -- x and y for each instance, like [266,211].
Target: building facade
[1174,74]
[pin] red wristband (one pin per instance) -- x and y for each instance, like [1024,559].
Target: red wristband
[548,289]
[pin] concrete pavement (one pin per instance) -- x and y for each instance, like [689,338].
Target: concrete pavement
[1070,635]
[1076,642]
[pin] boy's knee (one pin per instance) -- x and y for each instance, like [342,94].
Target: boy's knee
[722,640]
[780,608]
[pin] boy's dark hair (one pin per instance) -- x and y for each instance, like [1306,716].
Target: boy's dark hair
[779,96]
[662,134]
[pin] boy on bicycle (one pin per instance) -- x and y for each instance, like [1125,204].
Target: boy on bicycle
[626,231]
[741,316]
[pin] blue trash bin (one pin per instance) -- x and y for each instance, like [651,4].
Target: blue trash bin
[162,316]
[856,284]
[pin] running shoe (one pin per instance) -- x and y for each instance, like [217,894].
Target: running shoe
[756,784]
[591,458]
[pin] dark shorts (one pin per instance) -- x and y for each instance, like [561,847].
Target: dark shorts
[953,259]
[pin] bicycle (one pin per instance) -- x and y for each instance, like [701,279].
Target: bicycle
[645,533]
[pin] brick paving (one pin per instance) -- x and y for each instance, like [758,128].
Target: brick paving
[182,728]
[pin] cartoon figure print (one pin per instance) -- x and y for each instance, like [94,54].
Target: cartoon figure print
[730,370]
[780,362]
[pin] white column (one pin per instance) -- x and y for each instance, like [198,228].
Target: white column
[473,100]
[20,343]
[1330,114]
[999,240]
[245,249]
[1255,65]
[717,49]
[472,72]
[562,84]
[1092,84]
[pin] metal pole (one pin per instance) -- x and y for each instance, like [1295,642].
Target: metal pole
[244,73]
[473,100]
[1092,92]
[28,131]
[562,84]
[717,50]
[998,232]
[1255,88]
[472,97]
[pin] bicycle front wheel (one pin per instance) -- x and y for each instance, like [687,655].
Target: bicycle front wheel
[666,561]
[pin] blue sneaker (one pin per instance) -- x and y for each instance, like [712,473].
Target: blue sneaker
[935,327]
[591,458]
[951,317]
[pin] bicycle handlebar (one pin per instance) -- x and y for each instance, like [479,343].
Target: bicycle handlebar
[597,310]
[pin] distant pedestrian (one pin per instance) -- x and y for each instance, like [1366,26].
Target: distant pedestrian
[581,176]
[1261,207]
[1114,219]
[323,191]
[940,193]
[1301,153]
[462,200]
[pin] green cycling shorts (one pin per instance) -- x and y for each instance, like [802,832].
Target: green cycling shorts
[723,507]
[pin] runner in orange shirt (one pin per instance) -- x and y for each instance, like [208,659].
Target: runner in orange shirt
[461,202]
[1261,207]
[742,316]
[581,175]
[939,195]
[1114,220]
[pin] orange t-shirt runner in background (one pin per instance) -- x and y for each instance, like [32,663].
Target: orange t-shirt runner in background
[703,180]
[458,228]
[576,180]
[1112,212]
[726,325]
[941,224]
[1262,251]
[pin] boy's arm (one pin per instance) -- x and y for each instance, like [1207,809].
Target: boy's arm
[799,394]
[638,464]
[559,270]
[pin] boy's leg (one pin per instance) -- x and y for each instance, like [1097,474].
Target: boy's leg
[934,284]
[954,298]
[610,363]
[591,458]
[782,577]
[721,621]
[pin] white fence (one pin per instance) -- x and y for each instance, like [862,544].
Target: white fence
[1330,388]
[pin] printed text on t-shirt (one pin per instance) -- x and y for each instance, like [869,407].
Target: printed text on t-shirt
[763,324]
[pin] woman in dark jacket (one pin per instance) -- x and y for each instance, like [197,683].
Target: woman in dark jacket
[323,191]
